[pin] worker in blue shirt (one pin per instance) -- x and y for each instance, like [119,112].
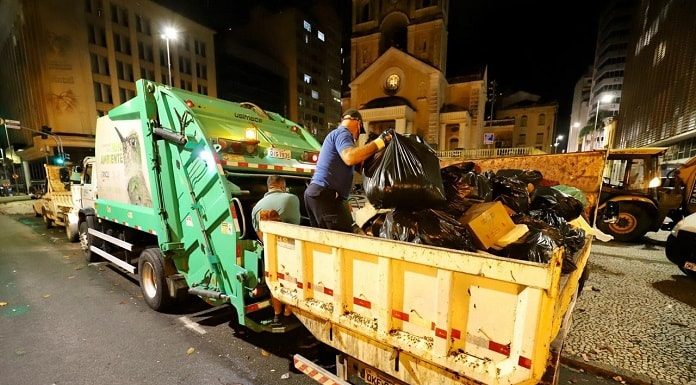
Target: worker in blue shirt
[327,194]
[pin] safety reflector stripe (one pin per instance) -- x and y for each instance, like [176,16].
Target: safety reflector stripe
[299,285]
[280,275]
[500,348]
[257,306]
[440,333]
[317,374]
[456,334]
[362,302]
[525,362]
[308,169]
[400,315]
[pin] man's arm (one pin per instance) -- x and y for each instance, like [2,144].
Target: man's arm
[354,155]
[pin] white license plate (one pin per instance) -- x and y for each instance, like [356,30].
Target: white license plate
[375,379]
[279,154]
[690,266]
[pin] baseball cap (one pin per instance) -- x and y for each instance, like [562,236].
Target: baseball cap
[354,114]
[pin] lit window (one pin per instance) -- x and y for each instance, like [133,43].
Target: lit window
[301,101]
[315,94]
[307,26]
[306,39]
[307,79]
[320,35]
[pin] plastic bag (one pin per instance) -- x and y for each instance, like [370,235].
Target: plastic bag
[555,227]
[535,246]
[527,176]
[511,191]
[427,227]
[374,225]
[572,192]
[464,187]
[547,198]
[407,175]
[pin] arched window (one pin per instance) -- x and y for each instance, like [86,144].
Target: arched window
[453,143]
[523,121]
[542,119]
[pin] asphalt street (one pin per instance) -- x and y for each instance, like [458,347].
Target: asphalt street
[65,322]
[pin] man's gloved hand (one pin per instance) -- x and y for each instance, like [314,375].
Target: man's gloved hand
[384,138]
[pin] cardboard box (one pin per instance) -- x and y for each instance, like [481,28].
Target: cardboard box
[487,222]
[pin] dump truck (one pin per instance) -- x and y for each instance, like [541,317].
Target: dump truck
[175,177]
[56,202]
[402,313]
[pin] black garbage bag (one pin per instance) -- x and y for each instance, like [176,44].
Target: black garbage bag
[511,191]
[407,175]
[426,227]
[374,225]
[547,198]
[536,246]
[464,188]
[527,176]
[555,227]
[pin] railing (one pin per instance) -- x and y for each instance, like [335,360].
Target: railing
[489,152]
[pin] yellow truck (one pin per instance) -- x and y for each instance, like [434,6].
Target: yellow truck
[403,313]
[55,204]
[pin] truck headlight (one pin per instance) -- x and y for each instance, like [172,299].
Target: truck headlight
[655,182]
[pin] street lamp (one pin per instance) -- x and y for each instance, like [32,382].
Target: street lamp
[168,34]
[606,98]
[558,141]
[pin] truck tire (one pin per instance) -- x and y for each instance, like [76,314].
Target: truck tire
[87,240]
[153,282]
[71,234]
[633,222]
[48,221]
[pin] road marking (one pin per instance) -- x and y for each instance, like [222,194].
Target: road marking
[192,325]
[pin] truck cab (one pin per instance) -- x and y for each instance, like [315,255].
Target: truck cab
[82,193]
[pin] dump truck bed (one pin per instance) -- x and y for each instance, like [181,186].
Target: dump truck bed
[422,314]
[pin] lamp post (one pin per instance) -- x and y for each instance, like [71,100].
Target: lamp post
[603,99]
[169,34]
[555,145]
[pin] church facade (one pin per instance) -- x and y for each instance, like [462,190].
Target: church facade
[398,75]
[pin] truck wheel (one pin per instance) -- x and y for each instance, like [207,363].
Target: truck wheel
[71,234]
[632,224]
[87,240]
[153,283]
[48,221]
[679,253]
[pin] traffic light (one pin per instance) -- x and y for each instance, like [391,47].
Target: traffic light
[59,160]
[47,130]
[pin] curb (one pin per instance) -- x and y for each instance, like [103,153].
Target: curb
[15,198]
[609,371]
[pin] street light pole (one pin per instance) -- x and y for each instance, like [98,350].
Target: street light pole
[169,34]
[606,99]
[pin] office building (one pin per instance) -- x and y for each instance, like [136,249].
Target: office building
[658,105]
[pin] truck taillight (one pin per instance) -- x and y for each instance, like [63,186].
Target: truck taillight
[310,156]
[240,147]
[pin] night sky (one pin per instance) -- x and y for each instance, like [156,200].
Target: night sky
[540,46]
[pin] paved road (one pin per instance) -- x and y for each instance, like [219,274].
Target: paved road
[69,323]
[637,315]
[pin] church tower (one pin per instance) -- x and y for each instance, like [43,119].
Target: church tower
[417,27]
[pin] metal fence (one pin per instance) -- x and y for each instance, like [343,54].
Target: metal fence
[489,152]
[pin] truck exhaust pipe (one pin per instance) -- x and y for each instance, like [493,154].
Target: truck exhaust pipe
[169,136]
[207,293]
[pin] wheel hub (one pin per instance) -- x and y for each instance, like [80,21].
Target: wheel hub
[625,223]
[149,283]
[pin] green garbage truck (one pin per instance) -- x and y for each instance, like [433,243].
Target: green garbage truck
[175,177]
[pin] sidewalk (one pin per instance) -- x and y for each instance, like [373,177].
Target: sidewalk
[636,317]
[14,198]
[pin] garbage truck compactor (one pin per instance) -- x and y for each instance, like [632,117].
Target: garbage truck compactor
[176,175]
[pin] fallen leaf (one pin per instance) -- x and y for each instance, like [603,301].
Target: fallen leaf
[572,381]
[190,351]
[46,295]
[66,257]
[594,288]
[617,378]
[78,267]
[71,276]
[584,357]
[285,376]
[20,352]
[3,304]
[122,303]
[265,353]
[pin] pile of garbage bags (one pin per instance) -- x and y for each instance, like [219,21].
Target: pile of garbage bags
[427,205]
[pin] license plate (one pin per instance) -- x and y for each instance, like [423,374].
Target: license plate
[690,266]
[373,378]
[279,154]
